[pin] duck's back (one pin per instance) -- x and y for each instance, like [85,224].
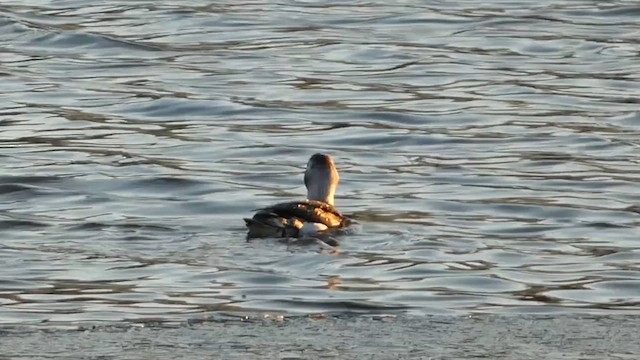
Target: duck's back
[288,219]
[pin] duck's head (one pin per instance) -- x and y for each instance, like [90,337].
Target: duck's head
[321,178]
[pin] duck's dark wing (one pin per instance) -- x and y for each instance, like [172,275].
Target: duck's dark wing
[268,224]
[308,211]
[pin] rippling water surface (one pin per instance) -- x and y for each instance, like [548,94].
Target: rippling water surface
[488,150]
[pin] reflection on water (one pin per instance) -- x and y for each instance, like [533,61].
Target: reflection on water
[489,154]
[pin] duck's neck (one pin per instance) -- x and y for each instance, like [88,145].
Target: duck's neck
[321,190]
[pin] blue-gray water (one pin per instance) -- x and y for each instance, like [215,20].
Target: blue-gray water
[489,151]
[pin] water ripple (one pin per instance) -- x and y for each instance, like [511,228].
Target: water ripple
[488,152]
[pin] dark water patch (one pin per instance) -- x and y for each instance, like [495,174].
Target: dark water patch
[97,226]
[165,183]
[328,306]
[618,12]
[174,108]
[54,37]
[605,225]
[27,180]
[12,188]
[14,224]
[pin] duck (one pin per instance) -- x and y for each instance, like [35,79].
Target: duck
[315,215]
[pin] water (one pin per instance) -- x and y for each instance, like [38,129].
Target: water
[488,150]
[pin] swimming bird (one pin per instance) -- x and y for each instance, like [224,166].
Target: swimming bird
[312,216]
